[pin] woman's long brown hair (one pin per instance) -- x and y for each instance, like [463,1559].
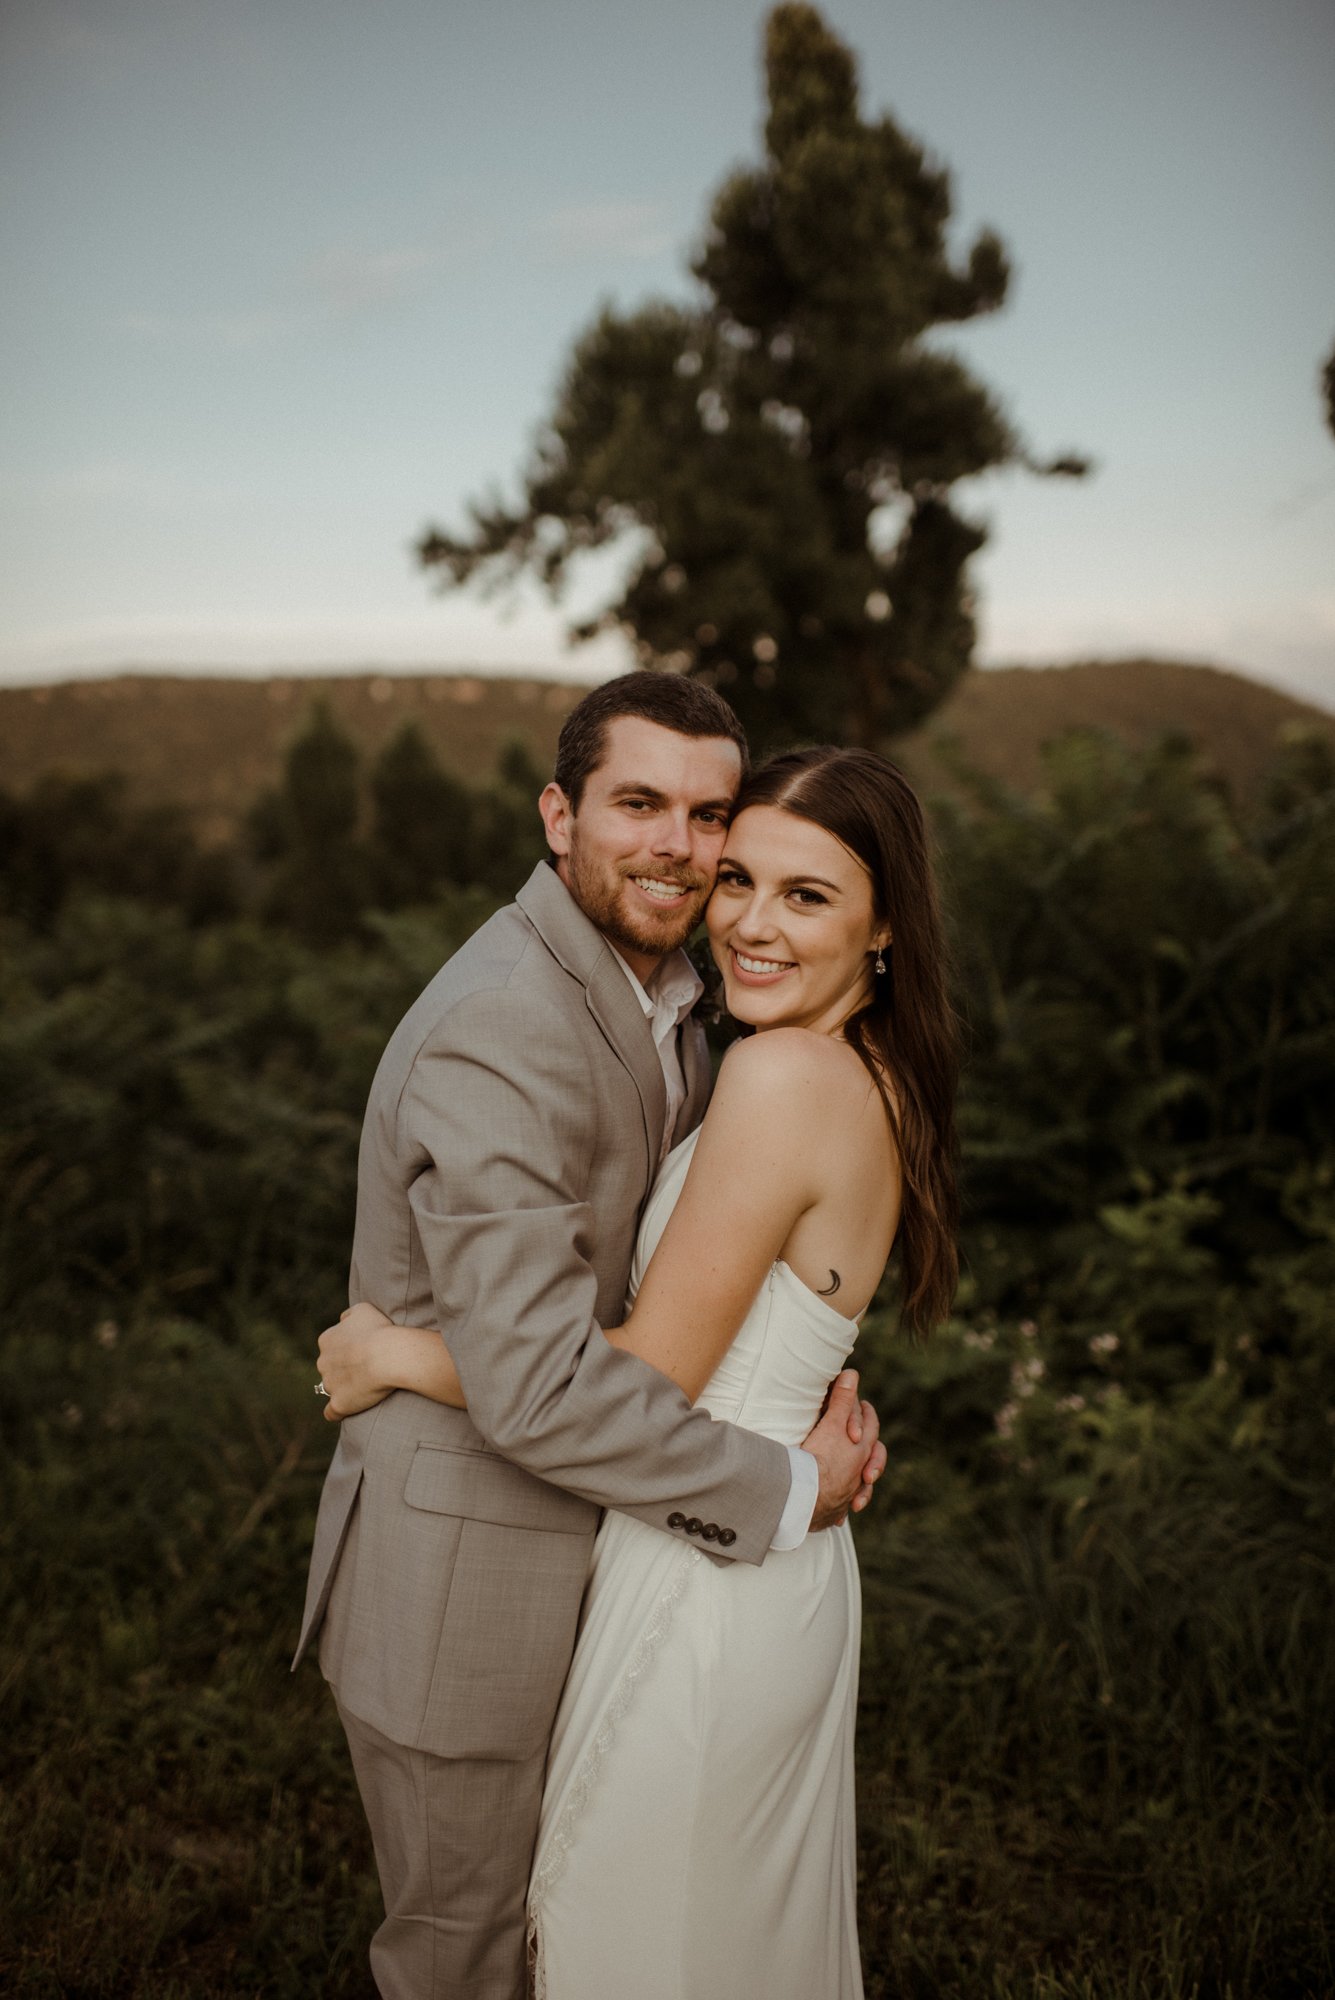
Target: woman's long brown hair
[906,1034]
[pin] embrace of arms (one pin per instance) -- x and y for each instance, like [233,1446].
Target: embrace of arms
[751,1197]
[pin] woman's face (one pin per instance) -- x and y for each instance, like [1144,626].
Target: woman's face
[791,923]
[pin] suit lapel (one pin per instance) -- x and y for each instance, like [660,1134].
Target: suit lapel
[621,1018]
[699,1078]
[582,950]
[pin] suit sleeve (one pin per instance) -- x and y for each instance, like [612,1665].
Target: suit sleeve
[498,1121]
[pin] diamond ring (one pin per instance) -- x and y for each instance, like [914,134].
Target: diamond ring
[320,1389]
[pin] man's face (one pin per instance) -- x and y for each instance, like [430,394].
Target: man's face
[639,855]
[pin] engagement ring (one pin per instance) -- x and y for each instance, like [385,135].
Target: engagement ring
[320,1389]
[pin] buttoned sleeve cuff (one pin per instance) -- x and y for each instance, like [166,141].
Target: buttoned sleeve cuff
[803,1494]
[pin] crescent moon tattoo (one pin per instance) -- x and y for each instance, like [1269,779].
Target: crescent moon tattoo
[833,1286]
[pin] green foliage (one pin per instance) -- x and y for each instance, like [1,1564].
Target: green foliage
[428,831]
[320,784]
[81,830]
[182,1107]
[177,1816]
[423,825]
[321,854]
[1149,988]
[1095,1740]
[785,448]
[308,829]
[508,839]
[1097,1698]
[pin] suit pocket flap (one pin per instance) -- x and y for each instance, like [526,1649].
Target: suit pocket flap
[478,1487]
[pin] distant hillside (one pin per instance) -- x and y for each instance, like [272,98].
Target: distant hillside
[213,743]
[999,718]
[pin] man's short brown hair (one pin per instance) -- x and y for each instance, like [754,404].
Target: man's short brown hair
[670,700]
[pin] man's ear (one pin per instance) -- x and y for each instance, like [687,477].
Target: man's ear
[557,813]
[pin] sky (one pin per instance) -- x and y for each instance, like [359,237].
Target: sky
[288,280]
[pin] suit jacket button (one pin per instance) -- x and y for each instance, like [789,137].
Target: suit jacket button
[676,1520]
[726,1537]
[694,1525]
[709,1533]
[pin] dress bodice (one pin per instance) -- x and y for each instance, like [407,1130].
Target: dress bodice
[789,1347]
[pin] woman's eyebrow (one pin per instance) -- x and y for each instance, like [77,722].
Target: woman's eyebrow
[789,881]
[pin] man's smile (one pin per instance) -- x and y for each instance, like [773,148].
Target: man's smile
[661,889]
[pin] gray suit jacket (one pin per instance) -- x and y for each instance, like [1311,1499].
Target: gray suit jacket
[511,1136]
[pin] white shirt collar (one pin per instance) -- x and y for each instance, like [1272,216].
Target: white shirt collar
[673,989]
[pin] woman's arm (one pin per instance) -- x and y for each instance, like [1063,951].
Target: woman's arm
[755,1171]
[366,1356]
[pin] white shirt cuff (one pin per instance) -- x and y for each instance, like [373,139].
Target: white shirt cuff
[803,1494]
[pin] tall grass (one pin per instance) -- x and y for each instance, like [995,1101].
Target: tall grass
[1097,1712]
[1095,1743]
[177,1816]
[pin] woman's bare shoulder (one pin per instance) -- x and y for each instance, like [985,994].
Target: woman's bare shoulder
[798,1064]
[796,1055]
[796,1112]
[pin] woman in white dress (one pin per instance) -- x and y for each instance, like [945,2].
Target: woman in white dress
[697,1833]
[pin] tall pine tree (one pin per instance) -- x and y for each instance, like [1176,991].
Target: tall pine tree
[422,824]
[785,447]
[307,828]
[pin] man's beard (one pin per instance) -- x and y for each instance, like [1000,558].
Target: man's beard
[599,895]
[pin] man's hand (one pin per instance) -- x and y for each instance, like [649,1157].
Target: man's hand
[846,1446]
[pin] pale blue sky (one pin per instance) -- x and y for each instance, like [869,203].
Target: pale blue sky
[286,279]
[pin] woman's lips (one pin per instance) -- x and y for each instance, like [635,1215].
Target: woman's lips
[751,969]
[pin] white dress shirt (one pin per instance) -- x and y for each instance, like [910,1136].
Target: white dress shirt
[673,989]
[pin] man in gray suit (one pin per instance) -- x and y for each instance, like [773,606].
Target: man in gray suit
[514,1128]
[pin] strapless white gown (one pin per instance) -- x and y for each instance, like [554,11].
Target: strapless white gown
[697,1832]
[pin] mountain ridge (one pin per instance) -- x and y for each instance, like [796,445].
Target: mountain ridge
[212,742]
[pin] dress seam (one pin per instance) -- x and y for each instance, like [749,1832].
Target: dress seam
[585,1779]
[688,1867]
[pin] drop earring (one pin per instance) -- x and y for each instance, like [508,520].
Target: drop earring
[880,963]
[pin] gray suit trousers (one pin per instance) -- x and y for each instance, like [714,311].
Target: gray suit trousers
[453,1844]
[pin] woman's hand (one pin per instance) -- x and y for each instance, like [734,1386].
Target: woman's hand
[367,1356]
[353,1358]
